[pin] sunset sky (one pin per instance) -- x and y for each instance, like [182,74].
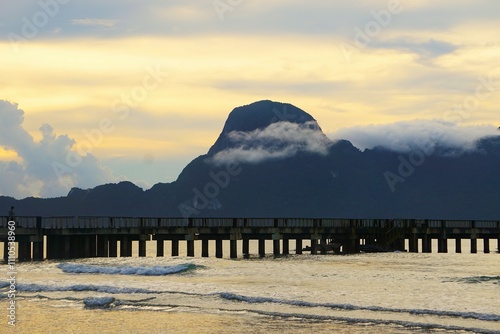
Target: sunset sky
[93,92]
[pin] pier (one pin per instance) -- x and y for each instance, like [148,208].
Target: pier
[39,238]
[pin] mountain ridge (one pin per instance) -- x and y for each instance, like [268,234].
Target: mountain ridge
[274,162]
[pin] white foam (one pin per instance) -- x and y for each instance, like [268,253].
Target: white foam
[124,270]
[80,287]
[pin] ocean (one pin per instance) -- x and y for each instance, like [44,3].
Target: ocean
[362,293]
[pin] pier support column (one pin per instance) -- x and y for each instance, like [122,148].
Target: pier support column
[473,245]
[276,247]
[113,246]
[24,250]
[125,246]
[413,243]
[314,246]
[442,245]
[160,248]
[93,245]
[6,251]
[190,248]
[262,247]
[298,246]
[286,246]
[204,248]
[233,250]
[353,245]
[427,244]
[50,247]
[246,248]
[458,245]
[86,242]
[102,245]
[142,248]
[323,246]
[69,251]
[218,248]
[38,250]
[400,244]
[486,245]
[175,247]
[81,250]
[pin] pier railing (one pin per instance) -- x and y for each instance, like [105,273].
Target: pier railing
[153,222]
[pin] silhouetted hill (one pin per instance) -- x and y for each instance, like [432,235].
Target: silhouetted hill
[272,160]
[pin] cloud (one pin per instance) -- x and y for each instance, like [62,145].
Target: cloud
[277,141]
[95,22]
[418,134]
[425,50]
[42,168]
[312,17]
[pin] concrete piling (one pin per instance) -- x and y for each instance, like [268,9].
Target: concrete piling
[298,246]
[160,247]
[233,250]
[175,247]
[486,245]
[204,248]
[458,245]
[473,245]
[218,248]
[262,247]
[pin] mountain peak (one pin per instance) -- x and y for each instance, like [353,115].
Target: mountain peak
[259,115]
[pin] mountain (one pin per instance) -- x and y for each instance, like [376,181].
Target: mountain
[273,160]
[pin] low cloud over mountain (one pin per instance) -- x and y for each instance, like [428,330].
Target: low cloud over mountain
[278,140]
[426,135]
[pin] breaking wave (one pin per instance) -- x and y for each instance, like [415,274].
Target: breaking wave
[125,270]
[80,288]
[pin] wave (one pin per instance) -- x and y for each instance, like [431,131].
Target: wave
[480,279]
[406,324]
[350,307]
[98,302]
[81,288]
[118,304]
[125,270]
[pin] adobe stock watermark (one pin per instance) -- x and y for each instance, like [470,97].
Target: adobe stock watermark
[463,111]
[283,116]
[408,164]
[11,272]
[208,197]
[460,112]
[372,29]
[121,107]
[31,26]
[221,7]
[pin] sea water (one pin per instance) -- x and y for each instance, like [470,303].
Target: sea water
[362,293]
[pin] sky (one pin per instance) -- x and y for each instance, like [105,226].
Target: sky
[94,92]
